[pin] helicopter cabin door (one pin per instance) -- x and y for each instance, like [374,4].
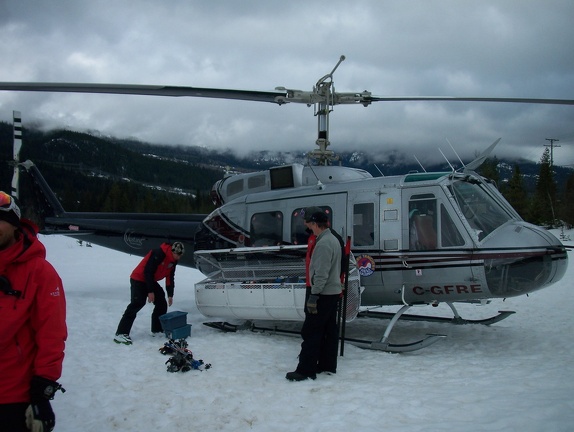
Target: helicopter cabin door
[438,263]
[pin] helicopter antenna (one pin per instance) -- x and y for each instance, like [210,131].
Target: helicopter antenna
[451,167]
[314,173]
[459,159]
[325,92]
[421,165]
[380,172]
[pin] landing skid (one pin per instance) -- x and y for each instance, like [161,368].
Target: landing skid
[224,326]
[382,345]
[457,319]
[396,348]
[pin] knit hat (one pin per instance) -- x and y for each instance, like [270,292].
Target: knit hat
[177,248]
[309,211]
[319,217]
[9,211]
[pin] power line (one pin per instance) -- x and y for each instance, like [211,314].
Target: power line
[551,145]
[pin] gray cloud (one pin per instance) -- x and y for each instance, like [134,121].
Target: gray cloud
[454,48]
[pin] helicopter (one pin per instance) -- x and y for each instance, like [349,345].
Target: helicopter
[416,239]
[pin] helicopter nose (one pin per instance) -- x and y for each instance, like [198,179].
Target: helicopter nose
[521,258]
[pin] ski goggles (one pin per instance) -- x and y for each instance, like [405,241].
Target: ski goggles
[8,204]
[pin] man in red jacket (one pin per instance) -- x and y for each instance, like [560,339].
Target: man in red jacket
[158,264]
[32,325]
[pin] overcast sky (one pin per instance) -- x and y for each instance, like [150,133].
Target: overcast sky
[394,48]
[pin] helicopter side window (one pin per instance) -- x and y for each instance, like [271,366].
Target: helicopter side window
[266,228]
[422,224]
[363,224]
[256,181]
[234,187]
[299,232]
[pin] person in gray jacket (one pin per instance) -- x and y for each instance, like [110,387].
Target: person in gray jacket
[320,332]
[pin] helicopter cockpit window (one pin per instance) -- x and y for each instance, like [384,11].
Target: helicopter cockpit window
[482,211]
[266,228]
[422,222]
[299,232]
[449,234]
[364,224]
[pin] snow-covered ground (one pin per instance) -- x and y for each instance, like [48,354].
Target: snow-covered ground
[517,375]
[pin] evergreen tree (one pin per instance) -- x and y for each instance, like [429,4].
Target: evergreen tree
[116,200]
[567,205]
[515,193]
[489,169]
[544,200]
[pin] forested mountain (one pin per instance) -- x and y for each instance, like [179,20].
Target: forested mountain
[94,173]
[90,173]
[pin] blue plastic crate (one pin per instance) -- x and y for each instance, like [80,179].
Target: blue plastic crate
[173,320]
[179,333]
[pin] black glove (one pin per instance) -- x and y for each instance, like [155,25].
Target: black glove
[39,415]
[312,304]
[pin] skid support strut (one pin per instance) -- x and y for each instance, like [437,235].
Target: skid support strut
[385,345]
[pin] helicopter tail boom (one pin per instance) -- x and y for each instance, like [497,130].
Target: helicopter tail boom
[133,233]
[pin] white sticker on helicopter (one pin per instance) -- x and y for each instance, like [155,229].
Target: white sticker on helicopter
[365,265]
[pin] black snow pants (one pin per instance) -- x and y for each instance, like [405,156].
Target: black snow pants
[320,335]
[138,301]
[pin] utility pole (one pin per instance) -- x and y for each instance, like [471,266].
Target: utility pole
[551,145]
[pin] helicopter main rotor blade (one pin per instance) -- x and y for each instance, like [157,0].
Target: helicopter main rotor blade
[149,90]
[281,96]
[369,99]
